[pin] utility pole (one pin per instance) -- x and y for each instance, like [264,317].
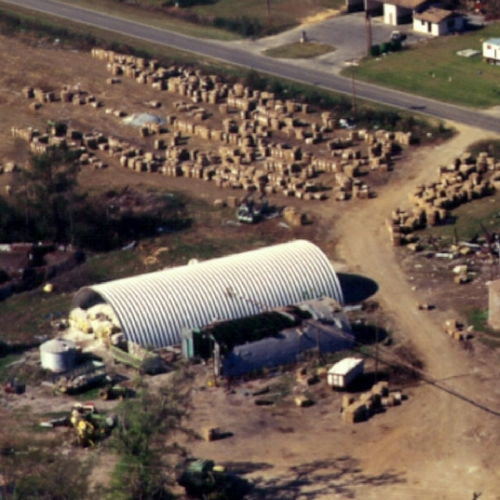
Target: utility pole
[353,89]
[368,29]
[268,13]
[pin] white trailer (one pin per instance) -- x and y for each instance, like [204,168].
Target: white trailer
[491,50]
[343,373]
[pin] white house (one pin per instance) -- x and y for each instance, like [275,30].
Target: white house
[401,11]
[491,50]
[437,22]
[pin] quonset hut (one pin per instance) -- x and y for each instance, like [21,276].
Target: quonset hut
[153,308]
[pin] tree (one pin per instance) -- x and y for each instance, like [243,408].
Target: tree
[145,426]
[47,189]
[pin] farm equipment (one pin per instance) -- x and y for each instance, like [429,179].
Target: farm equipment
[82,378]
[142,360]
[200,477]
[14,387]
[89,425]
[114,392]
[251,211]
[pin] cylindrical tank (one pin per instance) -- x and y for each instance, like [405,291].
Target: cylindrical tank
[58,355]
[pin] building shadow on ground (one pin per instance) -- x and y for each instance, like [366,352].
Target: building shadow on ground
[356,288]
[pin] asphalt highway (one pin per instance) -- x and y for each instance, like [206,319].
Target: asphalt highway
[235,53]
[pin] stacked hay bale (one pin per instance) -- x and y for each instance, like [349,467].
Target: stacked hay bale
[465,179]
[368,403]
[293,217]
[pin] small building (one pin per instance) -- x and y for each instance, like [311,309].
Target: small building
[491,50]
[437,22]
[402,11]
[274,338]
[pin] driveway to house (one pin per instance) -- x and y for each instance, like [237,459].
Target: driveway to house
[347,33]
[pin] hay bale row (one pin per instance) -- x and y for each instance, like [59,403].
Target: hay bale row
[465,179]
[369,403]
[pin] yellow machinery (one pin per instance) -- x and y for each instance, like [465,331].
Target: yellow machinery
[89,425]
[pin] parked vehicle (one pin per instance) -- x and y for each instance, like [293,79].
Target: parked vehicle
[343,373]
[398,36]
[82,378]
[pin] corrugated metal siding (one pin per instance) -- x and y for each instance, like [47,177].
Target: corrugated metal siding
[152,308]
[287,347]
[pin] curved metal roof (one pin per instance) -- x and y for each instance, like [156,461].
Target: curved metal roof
[152,308]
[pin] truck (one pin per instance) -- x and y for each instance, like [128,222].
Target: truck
[343,373]
[250,211]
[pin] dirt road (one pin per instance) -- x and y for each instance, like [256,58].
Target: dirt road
[449,446]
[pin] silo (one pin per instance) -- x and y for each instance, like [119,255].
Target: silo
[58,355]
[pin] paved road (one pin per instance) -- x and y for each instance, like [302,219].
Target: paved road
[318,72]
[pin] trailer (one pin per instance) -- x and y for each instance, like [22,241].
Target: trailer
[343,373]
[81,378]
[144,361]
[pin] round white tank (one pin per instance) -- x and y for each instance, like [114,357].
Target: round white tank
[58,355]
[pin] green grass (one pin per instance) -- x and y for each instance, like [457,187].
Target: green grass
[299,50]
[478,319]
[282,14]
[469,218]
[433,69]
[5,362]
[156,18]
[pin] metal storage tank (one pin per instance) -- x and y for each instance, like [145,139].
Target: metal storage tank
[58,355]
[153,308]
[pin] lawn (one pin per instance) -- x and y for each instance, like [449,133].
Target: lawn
[299,50]
[433,69]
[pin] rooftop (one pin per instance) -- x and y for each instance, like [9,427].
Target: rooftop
[435,15]
[407,4]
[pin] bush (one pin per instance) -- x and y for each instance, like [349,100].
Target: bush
[375,50]
[243,26]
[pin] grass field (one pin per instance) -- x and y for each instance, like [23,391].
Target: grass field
[281,14]
[469,218]
[299,50]
[433,69]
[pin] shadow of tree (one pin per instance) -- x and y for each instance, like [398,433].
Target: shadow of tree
[308,481]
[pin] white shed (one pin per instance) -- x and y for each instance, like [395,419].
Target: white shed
[437,22]
[491,50]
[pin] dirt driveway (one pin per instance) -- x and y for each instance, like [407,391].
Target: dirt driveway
[441,444]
